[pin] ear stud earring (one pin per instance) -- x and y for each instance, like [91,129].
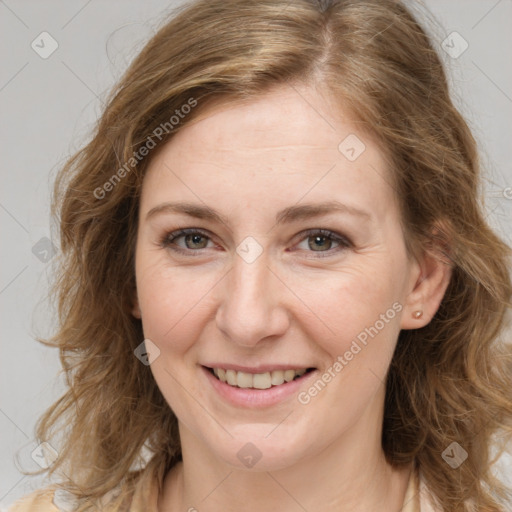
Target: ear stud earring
[417,314]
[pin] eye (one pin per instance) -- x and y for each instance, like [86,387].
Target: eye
[321,240]
[194,239]
[318,240]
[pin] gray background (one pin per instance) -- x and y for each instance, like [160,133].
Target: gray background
[49,107]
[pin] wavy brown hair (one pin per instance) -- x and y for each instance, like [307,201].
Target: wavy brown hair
[448,381]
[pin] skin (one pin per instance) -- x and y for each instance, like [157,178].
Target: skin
[292,305]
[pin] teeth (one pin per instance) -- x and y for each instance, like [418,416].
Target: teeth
[277,377]
[262,381]
[257,380]
[244,380]
[289,375]
[230,377]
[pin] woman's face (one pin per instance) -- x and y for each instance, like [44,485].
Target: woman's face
[293,259]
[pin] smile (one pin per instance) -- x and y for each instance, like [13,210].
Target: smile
[256,387]
[264,380]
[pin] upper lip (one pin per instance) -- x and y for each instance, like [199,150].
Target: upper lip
[262,368]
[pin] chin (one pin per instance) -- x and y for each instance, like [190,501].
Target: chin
[257,448]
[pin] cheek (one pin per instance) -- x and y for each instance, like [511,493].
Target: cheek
[356,303]
[172,302]
[364,313]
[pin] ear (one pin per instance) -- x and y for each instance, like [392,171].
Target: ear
[431,273]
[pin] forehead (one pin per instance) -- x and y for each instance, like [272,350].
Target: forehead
[294,115]
[289,143]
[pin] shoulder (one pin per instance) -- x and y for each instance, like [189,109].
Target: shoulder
[56,499]
[41,500]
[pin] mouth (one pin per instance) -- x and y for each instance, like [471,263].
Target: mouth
[261,381]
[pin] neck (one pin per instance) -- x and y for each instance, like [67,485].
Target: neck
[349,475]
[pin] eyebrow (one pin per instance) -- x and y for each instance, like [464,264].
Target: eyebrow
[288,215]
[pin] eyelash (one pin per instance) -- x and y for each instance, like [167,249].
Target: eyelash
[168,240]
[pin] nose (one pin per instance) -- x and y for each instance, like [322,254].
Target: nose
[252,307]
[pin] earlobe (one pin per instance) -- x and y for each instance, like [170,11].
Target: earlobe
[432,281]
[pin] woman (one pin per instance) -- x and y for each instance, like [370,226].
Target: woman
[217,360]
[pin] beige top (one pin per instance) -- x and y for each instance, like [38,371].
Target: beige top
[145,499]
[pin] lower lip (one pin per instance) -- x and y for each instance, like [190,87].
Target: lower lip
[257,398]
